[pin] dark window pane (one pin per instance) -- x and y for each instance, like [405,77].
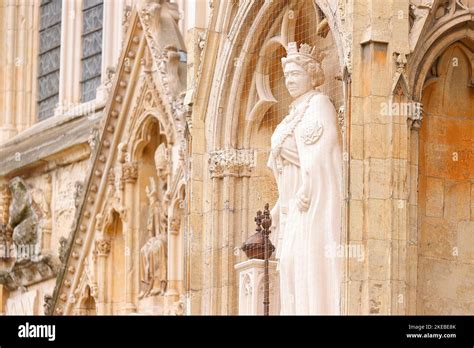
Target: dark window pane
[46,107]
[92,19]
[50,38]
[88,88]
[92,3]
[91,67]
[48,84]
[49,62]
[92,44]
[49,57]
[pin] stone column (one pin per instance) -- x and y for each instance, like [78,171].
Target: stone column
[103,250]
[414,124]
[378,161]
[130,176]
[227,168]
[18,55]
[70,69]
[112,34]
[173,284]
[251,275]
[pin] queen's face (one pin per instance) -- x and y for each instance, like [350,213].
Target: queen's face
[297,79]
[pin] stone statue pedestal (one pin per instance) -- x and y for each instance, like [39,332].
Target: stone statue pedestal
[251,276]
[152,305]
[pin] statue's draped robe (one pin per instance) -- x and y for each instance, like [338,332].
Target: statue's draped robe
[310,274]
[153,258]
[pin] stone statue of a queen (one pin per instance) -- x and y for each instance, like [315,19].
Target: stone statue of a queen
[306,161]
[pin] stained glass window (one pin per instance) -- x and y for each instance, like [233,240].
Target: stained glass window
[49,57]
[92,19]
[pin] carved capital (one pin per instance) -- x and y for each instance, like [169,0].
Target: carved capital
[231,162]
[130,172]
[175,225]
[103,247]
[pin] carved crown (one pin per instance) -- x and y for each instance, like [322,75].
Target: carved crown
[306,51]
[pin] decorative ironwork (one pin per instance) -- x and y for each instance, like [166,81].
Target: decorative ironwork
[259,246]
[49,57]
[92,20]
[268,249]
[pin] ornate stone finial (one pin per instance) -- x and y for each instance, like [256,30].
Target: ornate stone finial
[305,51]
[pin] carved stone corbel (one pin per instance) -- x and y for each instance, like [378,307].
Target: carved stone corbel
[416,116]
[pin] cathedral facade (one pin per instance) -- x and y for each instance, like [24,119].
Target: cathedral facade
[135,135]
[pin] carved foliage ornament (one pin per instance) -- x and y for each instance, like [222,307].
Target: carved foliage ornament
[231,162]
[103,246]
[130,172]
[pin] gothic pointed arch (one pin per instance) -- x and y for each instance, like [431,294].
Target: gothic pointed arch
[245,99]
[439,74]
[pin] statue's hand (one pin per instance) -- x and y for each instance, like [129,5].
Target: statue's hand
[302,199]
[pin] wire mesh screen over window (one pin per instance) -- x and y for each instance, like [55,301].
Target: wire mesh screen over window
[49,57]
[91,48]
[307,16]
[264,68]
